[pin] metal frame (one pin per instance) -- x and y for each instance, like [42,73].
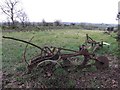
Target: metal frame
[54,54]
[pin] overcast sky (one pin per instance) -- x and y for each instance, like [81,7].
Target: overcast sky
[93,11]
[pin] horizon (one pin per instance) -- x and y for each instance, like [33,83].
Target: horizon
[60,21]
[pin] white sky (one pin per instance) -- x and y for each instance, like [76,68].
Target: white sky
[93,11]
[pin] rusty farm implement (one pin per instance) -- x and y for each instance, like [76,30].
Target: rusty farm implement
[55,54]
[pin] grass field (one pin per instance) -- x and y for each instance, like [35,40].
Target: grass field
[12,51]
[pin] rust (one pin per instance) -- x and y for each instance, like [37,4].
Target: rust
[93,43]
[24,42]
[102,62]
[54,53]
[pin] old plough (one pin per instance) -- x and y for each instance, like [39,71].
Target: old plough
[55,54]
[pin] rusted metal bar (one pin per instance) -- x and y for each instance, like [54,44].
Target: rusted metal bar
[25,42]
[24,54]
[54,53]
[65,49]
[89,37]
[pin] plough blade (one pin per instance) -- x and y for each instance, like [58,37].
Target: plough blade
[102,62]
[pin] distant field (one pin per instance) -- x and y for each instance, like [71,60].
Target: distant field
[12,51]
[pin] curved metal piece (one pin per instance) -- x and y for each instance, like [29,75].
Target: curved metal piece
[48,61]
[25,42]
[102,62]
[24,54]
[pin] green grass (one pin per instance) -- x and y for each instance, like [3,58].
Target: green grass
[12,51]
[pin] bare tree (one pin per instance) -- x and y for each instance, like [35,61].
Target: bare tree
[22,16]
[10,9]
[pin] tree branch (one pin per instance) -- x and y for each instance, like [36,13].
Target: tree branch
[3,10]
